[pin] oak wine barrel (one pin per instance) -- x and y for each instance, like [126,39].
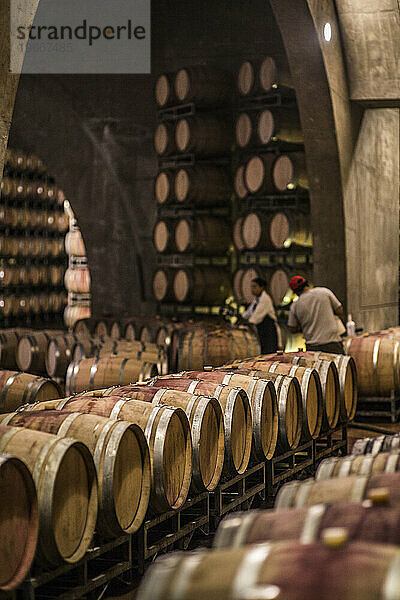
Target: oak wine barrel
[201,285]
[202,236]
[163,285]
[204,185]
[163,187]
[77,280]
[237,236]
[204,135]
[31,351]
[19,522]
[76,313]
[66,484]
[167,432]
[275,231]
[379,487]
[263,402]
[164,236]
[58,354]
[22,388]
[237,417]
[384,462]
[289,172]
[121,457]
[74,244]
[203,85]
[98,373]
[258,174]
[262,76]
[164,90]
[8,347]
[364,522]
[239,182]
[164,139]
[206,422]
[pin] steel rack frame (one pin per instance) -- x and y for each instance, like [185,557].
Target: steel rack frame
[378,406]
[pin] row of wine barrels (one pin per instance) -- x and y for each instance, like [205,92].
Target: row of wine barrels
[203,236]
[365,521]
[167,432]
[36,191]
[98,373]
[347,373]
[377,360]
[262,76]
[18,305]
[205,135]
[31,275]
[205,86]
[66,484]
[204,185]
[261,127]
[214,435]
[76,313]
[269,174]
[277,281]
[384,462]
[271,231]
[121,457]
[287,569]
[330,387]
[128,328]
[19,521]
[17,389]
[201,285]
[208,346]
[31,246]
[74,244]
[31,350]
[236,410]
[379,487]
[77,280]
[26,218]
[262,397]
[18,161]
[382,443]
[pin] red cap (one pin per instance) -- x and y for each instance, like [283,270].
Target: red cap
[296,282]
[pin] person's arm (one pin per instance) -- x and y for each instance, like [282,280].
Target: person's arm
[337,306]
[248,312]
[263,308]
[293,323]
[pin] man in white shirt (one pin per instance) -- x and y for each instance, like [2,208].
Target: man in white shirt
[316,314]
[261,313]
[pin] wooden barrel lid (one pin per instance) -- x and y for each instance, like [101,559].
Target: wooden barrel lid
[268,75]
[279,230]
[278,285]
[251,230]
[162,90]
[181,285]
[182,135]
[244,130]
[115,331]
[237,234]
[240,188]
[293,422]
[283,173]
[34,304]
[162,187]
[161,139]
[101,329]
[18,522]
[265,126]
[254,174]
[160,285]
[237,284]
[182,185]
[44,302]
[314,418]
[24,353]
[245,80]
[248,275]
[182,84]
[183,235]
[130,332]
[161,236]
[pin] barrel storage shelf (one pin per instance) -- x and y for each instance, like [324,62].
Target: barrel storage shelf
[32,254]
[193,140]
[270,183]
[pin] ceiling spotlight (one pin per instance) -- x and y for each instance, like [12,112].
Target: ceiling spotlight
[327,32]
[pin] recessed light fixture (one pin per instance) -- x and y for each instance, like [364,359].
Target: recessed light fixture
[327,32]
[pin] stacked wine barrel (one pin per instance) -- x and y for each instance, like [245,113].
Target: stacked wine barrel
[335,536]
[193,140]
[270,182]
[77,276]
[32,256]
